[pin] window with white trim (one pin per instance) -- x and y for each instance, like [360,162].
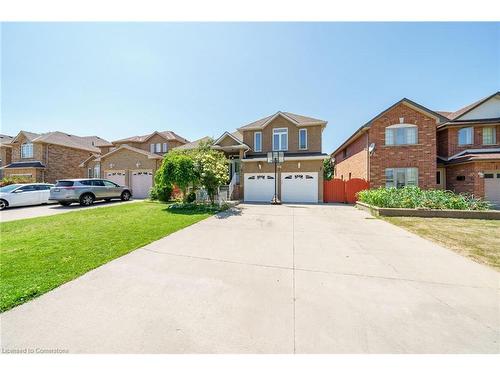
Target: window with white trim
[97,171]
[399,177]
[26,150]
[489,136]
[280,139]
[466,136]
[165,147]
[158,147]
[152,148]
[401,134]
[302,139]
[257,141]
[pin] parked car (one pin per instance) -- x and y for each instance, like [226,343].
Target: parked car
[87,190]
[24,195]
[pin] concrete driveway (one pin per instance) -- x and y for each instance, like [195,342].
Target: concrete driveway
[285,279]
[17,213]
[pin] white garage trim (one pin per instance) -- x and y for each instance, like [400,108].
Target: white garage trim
[258,187]
[300,187]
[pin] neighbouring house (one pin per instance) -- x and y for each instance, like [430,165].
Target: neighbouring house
[132,161]
[409,144]
[299,177]
[49,157]
[5,151]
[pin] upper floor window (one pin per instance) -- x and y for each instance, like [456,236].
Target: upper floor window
[489,136]
[302,139]
[164,147]
[466,136]
[152,148]
[399,177]
[280,139]
[27,150]
[401,134]
[257,141]
[158,147]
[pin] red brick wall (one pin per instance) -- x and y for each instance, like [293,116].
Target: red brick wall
[442,143]
[452,146]
[63,162]
[355,162]
[421,155]
[473,183]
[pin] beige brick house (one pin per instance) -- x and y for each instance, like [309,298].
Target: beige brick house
[132,161]
[299,178]
[409,144]
[50,156]
[5,151]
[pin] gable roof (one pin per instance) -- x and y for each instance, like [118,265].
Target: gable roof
[194,144]
[134,149]
[462,111]
[405,101]
[235,136]
[5,140]
[168,135]
[298,120]
[88,143]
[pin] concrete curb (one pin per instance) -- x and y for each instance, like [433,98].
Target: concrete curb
[413,212]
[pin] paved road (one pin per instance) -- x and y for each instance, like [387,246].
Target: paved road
[272,279]
[17,213]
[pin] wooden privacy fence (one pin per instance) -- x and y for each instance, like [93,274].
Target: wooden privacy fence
[339,191]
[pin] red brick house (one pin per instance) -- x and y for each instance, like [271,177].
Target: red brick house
[409,144]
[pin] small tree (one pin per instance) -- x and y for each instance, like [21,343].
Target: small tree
[178,169]
[212,169]
[328,169]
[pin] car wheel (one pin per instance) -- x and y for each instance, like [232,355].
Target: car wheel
[125,196]
[65,204]
[3,204]
[86,200]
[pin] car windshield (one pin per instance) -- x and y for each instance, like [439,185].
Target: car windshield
[64,183]
[9,188]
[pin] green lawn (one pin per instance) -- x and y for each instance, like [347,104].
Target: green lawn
[476,239]
[39,254]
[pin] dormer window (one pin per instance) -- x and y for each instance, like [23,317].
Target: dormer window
[26,150]
[257,141]
[466,136]
[280,139]
[401,134]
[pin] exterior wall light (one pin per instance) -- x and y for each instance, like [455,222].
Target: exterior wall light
[480,174]
[138,164]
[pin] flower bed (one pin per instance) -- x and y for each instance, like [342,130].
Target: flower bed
[414,197]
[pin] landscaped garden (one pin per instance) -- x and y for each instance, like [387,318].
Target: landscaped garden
[39,254]
[414,197]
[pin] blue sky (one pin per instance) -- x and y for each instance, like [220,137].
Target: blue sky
[123,79]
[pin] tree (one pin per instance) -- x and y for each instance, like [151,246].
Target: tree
[177,168]
[212,169]
[328,169]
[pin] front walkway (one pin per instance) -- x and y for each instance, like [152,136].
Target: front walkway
[272,279]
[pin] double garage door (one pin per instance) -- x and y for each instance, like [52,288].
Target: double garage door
[141,181]
[295,187]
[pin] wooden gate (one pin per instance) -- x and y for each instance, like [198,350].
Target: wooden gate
[338,191]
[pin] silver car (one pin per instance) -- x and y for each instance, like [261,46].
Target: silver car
[87,190]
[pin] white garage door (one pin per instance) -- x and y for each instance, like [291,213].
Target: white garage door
[299,187]
[118,177]
[258,187]
[492,187]
[141,183]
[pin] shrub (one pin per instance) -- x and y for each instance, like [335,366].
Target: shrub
[15,180]
[197,207]
[162,193]
[191,197]
[414,197]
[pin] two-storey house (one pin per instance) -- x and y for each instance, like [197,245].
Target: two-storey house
[409,144]
[50,156]
[132,161]
[5,152]
[297,178]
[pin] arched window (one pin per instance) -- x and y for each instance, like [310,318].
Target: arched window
[401,134]
[27,150]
